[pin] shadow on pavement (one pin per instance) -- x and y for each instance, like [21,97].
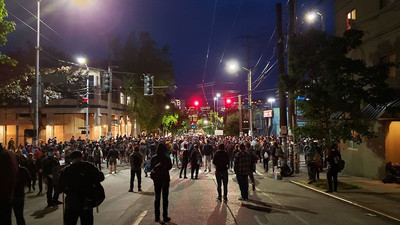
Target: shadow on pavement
[41,213]
[147,193]
[34,196]
[218,215]
[264,207]
[286,194]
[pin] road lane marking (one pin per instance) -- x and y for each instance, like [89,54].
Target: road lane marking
[140,218]
[276,202]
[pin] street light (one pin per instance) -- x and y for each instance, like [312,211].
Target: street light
[218,95]
[312,16]
[233,66]
[82,61]
[271,100]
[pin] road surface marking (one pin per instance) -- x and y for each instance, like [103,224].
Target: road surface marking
[140,218]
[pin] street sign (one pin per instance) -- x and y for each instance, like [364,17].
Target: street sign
[267,113]
[82,128]
[247,107]
[219,132]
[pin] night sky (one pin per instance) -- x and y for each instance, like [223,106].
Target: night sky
[192,28]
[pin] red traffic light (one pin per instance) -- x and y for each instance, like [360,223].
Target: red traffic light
[196,103]
[228,101]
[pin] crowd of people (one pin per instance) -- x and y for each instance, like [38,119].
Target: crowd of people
[58,164]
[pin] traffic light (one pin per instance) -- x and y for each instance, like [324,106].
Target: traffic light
[106,82]
[84,102]
[228,103]
[148,85]
[196,103]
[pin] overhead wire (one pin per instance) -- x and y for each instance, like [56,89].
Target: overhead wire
[45,24]
[208,48]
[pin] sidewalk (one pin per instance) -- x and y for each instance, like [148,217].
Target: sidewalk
[373,195]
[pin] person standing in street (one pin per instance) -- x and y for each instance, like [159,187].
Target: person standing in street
[221,162]
[333,156]
[242,169]
[195,160]
[254,159]
[161,163]
[136,160]
[48,164]
[113,156]
[310,160]
[9,171]
[185,161]
[97,155]
[23,179]
[74,178]
[207,151]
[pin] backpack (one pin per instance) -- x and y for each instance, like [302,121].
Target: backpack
[96,155]
[156,172]
[340,163]
[94,195]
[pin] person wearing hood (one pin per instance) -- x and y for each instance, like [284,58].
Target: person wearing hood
[161,164]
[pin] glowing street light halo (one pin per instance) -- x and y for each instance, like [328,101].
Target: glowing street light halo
[311,16]
[232,66]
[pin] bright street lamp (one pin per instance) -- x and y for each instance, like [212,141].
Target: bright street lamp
[82,60]
[233,66]
[167,107]
[312,16]
[271,100]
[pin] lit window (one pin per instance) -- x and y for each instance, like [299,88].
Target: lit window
[351,16]
[352,145]
[122,99]
[128,100]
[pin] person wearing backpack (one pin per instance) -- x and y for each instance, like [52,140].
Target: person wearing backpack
[136,160]
[160,166]
[77,181]
[333,156]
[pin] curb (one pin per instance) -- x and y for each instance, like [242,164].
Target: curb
[347,201]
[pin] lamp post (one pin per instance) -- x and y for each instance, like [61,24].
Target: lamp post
[312,15]
[81,61]
[217,97]
[271,100]
[233,67]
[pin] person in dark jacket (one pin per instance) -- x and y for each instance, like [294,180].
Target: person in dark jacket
[113,156]
[39,171]
[184,160]
[242,167]
[48,164]
[332,159]
[254,158]
[136,160]
[207,151]
[163,161]
[221,162]
[32,171]
[9,170]
[23,179]
[73,180]
[195,160]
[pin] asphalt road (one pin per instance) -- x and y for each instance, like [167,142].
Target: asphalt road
[194,202]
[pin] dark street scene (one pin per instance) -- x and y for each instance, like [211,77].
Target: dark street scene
[206,112]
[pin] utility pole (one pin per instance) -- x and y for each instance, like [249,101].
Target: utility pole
[248,69]
[291,99]
[281,67]
[109,93]
[37,80]
[292,95]
[240,114]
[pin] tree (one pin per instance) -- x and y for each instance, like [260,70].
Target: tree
[140,55]
[5,28]
[336,87]
[232,125]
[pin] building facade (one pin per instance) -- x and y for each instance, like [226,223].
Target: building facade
[64,118]
[380,21]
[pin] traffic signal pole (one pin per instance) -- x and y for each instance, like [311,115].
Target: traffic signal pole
[282,92]
[109,100]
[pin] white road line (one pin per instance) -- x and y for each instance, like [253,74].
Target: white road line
[140,218]
[278,203]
